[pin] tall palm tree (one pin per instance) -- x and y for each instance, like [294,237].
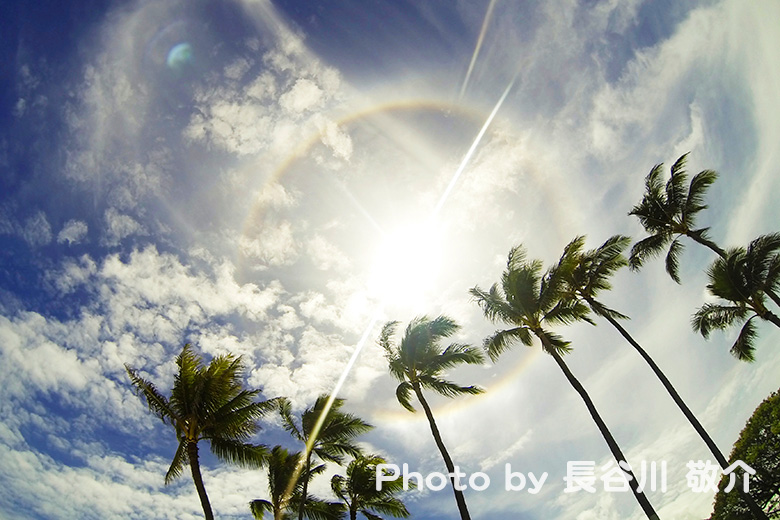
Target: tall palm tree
[418,362]
[358,490]
[668,212]
[590,275]
[284,468]
[329,437]
[741,279]
[530,301]
[207,403]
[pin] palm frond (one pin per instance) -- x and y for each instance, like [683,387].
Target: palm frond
[447,388]
[675,186]
[177,464]
[696,192]
[404,395]
[653,183]
[743,348]
[157,403]
[454,355]
[493,304]
[501,340]
[673,259]
[258,508]
[567,312]
[552,341]
[385,337]
[647,248]
[243,454]
[318,509]
[717,317]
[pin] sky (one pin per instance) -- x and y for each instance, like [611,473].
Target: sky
[277,179]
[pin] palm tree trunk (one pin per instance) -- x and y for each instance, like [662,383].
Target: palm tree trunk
[772,296]
[613,445]
[708,243]
[459,498]
[192,454]
[758,513]
[771,316]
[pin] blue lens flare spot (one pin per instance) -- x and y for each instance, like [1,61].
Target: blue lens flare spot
[180,56]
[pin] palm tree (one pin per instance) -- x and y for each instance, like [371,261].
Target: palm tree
[284,470]
[207,403]
[326,431]
[530,300]
[359,492]
[590,276]
[418,362]
[669,212]
[742,278]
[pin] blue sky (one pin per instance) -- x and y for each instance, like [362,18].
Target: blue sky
[261,177]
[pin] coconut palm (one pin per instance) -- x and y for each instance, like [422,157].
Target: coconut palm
[285,487]
[531,301]
[740,279]
[668,212]
[207,403]
[418,362]
[358,490]
[326,432]
[589,276]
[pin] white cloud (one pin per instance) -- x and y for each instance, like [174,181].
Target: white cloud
[304,95]
[325,255]
[272,244]
[73,232]
[36,230]
[120,226]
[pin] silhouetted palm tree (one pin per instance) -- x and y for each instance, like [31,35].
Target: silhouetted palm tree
[359,491]
[329,435]
[530,301]
[668,212]
[418,362]
[207,403]
[284,470]
[741,278]
[590,275]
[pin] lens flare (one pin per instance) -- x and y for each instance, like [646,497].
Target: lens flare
[179,56]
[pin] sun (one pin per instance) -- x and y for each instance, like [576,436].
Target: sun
[406,264]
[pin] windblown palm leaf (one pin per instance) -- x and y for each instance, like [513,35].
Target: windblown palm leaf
[207,403]
[529,301]
[668,212]
[418,362]
[358,490]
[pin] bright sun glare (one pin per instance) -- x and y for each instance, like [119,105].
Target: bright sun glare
[406,264]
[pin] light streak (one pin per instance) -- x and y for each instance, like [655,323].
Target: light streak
[481,37]
[473,148]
